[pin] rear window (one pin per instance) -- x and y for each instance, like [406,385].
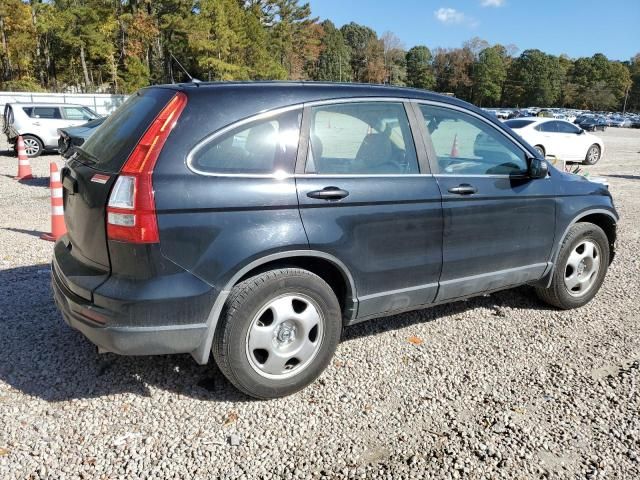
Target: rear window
[114,141]
[518,123]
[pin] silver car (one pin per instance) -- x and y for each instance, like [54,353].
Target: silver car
[38,123]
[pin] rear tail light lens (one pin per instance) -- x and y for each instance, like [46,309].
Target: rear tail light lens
[131,211]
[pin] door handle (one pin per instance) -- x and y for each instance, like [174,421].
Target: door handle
[37,124]
[328,193]
[463,189]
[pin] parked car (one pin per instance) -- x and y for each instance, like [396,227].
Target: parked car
[255,221]
[72,137]
[619,122]
[38,123]
[559,138]
[592,124]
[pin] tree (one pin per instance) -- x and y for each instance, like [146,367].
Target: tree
[419,69]
[334,59]
[358,38]
[395,61]
[535,79]
[490,74]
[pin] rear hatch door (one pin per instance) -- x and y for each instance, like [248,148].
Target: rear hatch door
[87,180]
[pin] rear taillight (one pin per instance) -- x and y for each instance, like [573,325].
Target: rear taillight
[131,211]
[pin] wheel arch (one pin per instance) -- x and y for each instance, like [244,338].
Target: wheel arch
[326,266]
[604,219]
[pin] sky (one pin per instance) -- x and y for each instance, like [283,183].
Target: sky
[578,28]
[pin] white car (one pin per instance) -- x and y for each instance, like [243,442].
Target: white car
[38,123]
[558,138]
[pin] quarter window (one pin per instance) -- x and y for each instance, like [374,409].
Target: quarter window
[263,147]
[466,145]
[366,138]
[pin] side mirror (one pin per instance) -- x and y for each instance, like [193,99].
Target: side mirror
[538,168]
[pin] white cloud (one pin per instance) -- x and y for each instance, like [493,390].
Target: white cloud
[493,3]
[449,15]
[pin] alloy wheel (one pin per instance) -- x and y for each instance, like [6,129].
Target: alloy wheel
[31,146]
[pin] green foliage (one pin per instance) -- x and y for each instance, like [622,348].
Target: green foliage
[334,61]
[22,85]
[419,68]
[490,74]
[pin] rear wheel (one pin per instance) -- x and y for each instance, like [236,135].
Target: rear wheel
[278,332]
[32,146]
[540,150]
[593,155]
[580,268]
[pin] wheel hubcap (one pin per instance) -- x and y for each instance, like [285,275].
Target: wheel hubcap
[593,154]
[285,336]
[31,147]
[581,270]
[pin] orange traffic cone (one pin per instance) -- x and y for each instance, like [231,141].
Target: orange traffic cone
[24,167]
[58,227]
[454,147]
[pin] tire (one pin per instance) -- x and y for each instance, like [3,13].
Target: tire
[249,321]
[540,150]
[32,145]
[593,155]
[567,269]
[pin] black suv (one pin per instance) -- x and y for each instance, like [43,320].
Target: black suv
[255,220]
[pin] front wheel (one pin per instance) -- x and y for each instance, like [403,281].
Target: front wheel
[593,155]
[580,268]
[278,332]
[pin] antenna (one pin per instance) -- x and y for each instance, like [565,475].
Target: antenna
[191,79]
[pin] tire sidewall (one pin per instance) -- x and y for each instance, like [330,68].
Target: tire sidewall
[242,370]
[582,232]
[587,159]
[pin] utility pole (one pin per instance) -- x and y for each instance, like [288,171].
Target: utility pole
[626,96]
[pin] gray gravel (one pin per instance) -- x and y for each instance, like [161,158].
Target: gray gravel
[496,387]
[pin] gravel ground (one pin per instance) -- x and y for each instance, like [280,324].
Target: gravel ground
[496,387]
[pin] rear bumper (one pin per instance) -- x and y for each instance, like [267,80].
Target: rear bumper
[131,326]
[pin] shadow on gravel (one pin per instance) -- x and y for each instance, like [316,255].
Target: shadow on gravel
[43,357]
[35,233]
[626,177]
[31,182]
[522,297]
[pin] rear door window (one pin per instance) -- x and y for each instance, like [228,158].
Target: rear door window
[548,127]
[363,138]
[566,127]
[46,112]
[109,147]
[262,147]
